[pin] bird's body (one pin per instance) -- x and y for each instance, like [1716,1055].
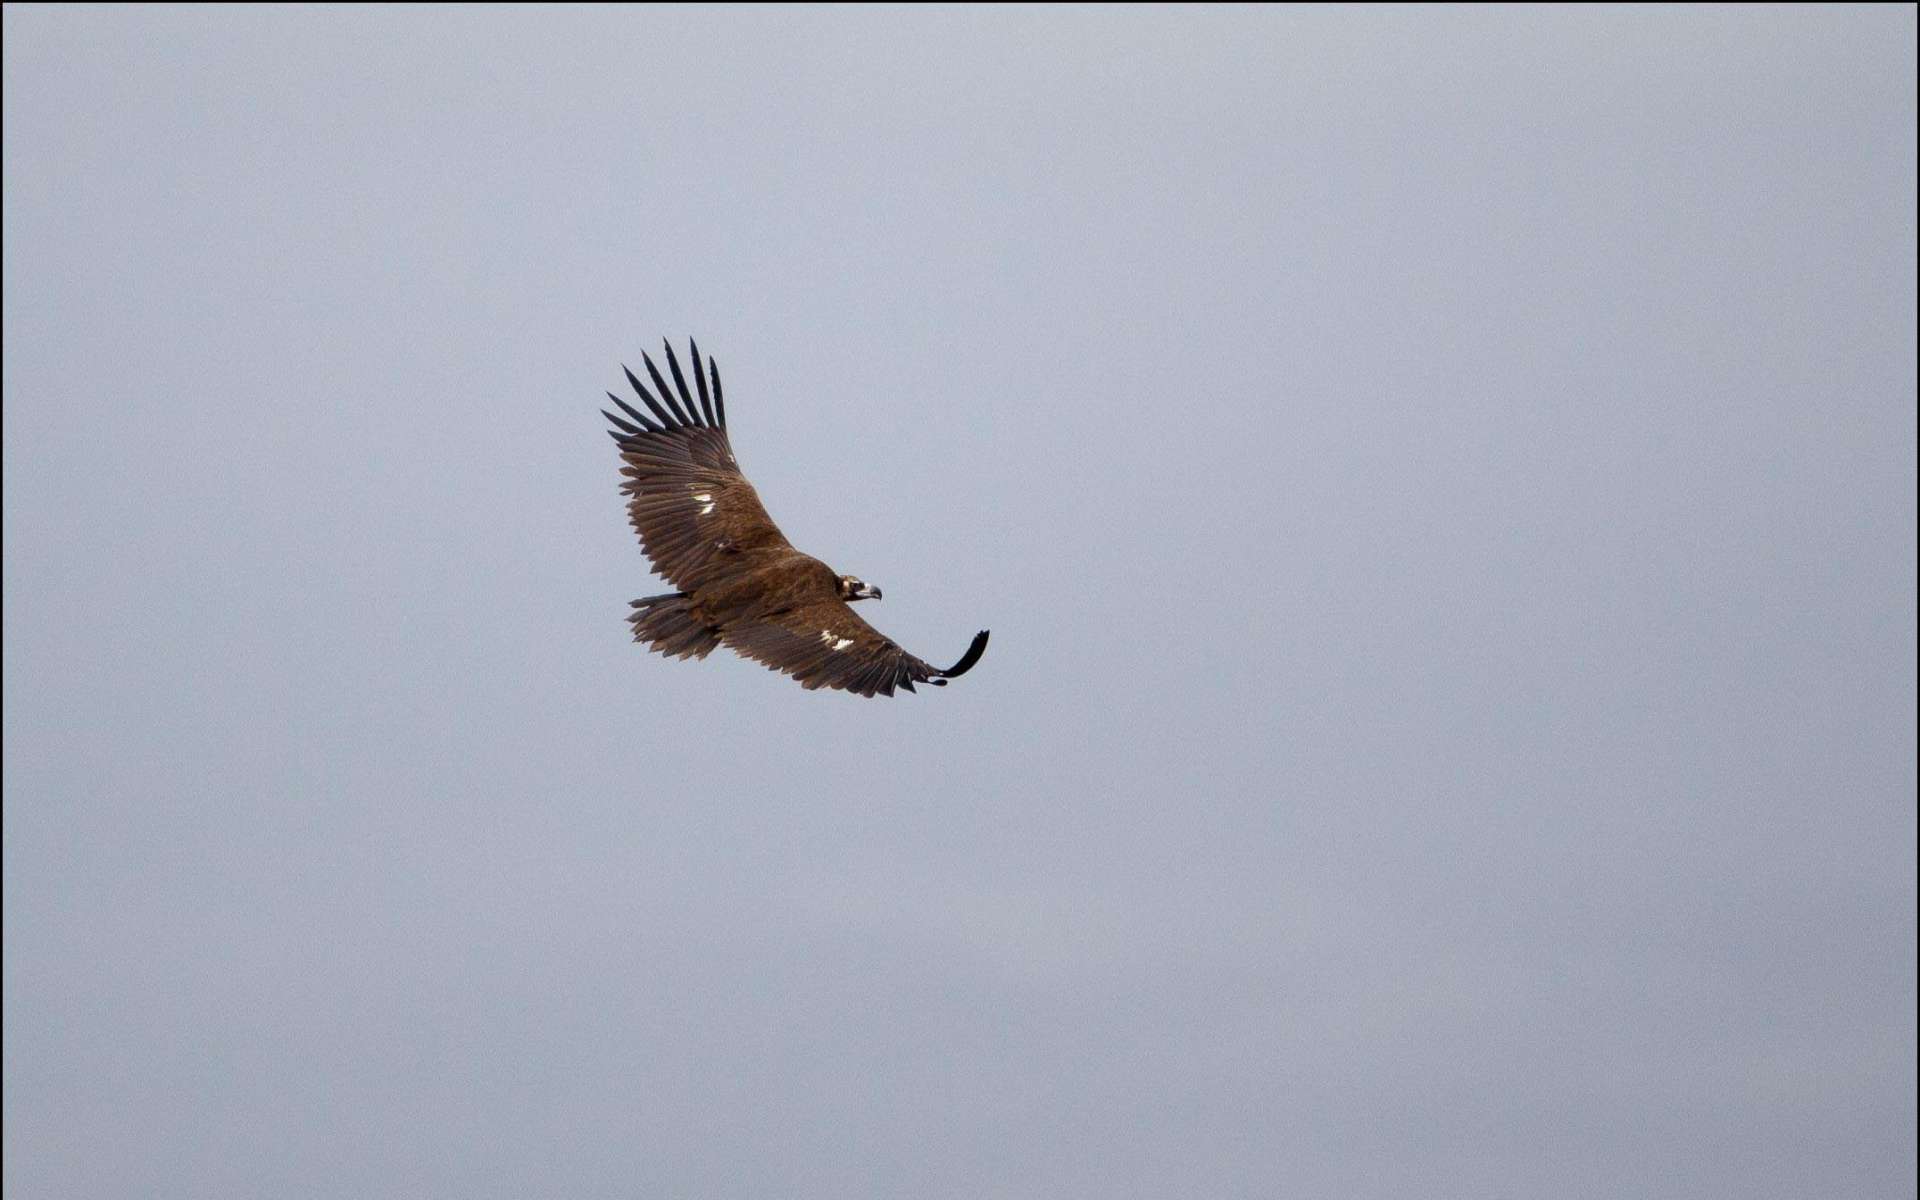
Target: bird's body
[742,584]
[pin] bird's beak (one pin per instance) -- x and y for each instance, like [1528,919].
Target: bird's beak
[867,592]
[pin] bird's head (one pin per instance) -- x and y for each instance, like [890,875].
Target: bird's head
[853,588]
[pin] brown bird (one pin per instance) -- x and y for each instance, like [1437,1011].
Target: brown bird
[741,582]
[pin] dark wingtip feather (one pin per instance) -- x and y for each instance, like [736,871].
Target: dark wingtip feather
[666,393]
[971,657]
[719,405]
[666,421]
[700,381]
[680,381]
[628,409]
[625,427]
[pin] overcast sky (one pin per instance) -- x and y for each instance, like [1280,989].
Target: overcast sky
[1441,482]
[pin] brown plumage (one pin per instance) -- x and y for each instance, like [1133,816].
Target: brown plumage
[741,582]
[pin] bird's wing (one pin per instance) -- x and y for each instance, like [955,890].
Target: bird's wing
[826,644]
[688,501]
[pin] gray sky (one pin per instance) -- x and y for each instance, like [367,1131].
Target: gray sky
[1442,484]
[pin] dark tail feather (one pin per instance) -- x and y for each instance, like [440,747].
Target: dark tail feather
[667,624]
[967,660]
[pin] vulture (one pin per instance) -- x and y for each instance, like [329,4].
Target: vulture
[741,583]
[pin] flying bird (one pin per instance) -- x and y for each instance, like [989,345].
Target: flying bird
[742,584]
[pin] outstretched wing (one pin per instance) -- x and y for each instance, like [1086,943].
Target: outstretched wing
[689,503]
[826,644]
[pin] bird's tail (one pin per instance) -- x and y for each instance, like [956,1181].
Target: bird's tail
[668,624]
